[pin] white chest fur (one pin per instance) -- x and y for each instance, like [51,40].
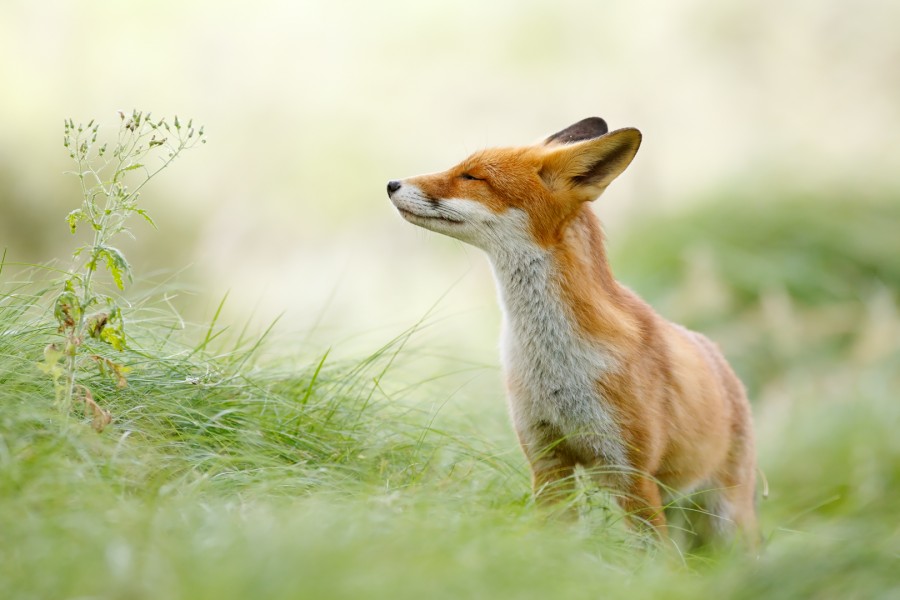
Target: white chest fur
[553,369]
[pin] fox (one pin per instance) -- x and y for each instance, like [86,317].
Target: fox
[595,378]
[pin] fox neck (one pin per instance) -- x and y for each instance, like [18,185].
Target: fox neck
[570,280]
[559,339]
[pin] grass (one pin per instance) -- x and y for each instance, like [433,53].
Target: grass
[235,469]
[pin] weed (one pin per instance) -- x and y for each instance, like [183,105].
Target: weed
[111,184]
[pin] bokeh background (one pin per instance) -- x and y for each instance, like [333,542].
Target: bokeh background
[310,107]
[763,208]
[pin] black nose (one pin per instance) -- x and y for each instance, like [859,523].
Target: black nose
[393,186]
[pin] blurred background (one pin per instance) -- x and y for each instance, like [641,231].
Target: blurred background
[763,208]
[767,178]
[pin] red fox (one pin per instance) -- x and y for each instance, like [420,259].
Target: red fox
[594,376]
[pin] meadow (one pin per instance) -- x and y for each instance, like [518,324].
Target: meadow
[359,446]
[244,463]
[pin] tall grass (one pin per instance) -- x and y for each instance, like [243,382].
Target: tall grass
[244,466]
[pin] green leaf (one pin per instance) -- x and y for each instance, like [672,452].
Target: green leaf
[73,217]
[116,263]
[113,335]
[96,323]
[67,309]
[133,167]
[50,364]
[146,217]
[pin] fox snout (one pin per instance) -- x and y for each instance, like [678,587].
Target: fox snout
[392,187]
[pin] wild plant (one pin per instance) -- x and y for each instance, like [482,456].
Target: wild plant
[111,180]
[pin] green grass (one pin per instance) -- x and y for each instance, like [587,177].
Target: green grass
[241,467]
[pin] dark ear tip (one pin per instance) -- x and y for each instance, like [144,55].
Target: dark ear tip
[585,129]
[595,122]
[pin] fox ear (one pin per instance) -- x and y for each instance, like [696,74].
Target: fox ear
[591,165]
[586,129]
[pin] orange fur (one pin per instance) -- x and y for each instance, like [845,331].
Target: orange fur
[675,408]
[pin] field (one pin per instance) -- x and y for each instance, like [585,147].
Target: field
[358,445]
[243,464]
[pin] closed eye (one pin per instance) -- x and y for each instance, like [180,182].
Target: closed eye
[470,177]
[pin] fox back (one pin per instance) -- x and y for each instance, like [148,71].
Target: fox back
[594,376]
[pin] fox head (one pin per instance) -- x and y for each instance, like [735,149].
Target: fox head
[504,197]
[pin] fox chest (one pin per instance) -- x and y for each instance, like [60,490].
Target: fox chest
[552,373]
[553,377]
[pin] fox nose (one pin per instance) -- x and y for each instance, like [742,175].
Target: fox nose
[393,186]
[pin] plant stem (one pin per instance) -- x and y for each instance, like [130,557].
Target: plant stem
[76,302]
[77,333]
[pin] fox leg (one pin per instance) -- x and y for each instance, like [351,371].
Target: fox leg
[730,502]
[642,504]
[552,468]
[552,478]
[734,500]
[732,509]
